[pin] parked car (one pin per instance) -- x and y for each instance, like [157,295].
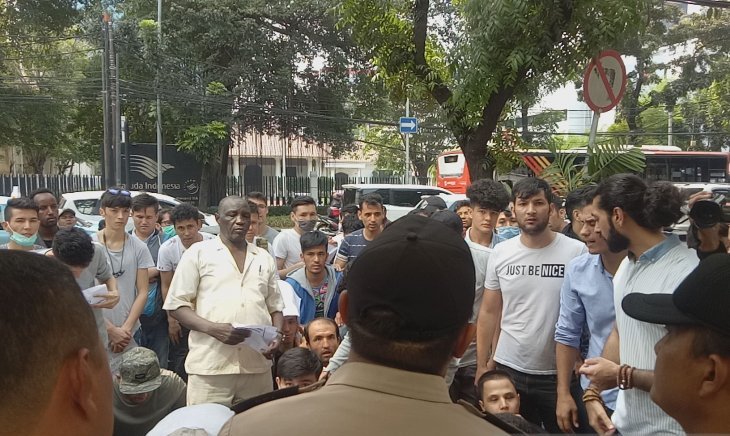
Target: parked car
[86,206]
[397,199]
[687,189]
[84,225]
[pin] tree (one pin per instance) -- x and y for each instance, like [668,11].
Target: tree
[477,55]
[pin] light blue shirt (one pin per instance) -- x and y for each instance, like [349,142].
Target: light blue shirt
[586,298]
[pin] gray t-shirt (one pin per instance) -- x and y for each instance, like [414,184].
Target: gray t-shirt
[98,270]
[287,247]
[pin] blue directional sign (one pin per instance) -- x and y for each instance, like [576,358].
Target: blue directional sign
[408,125]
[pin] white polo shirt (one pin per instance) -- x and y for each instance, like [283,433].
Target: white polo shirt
[208,281]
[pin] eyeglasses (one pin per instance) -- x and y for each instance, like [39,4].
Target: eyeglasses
[119,192]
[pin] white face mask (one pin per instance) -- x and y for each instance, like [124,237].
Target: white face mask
[22,240]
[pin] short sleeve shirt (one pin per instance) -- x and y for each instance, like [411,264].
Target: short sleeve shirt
[172,250]
[98,270]
[288,247]
[209,282]
[352,245]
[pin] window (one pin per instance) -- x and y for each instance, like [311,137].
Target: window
[451,159]
[407,197]
[87,207]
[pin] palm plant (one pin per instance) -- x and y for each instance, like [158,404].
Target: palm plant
[566,173]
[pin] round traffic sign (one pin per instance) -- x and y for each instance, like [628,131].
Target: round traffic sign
[604,81]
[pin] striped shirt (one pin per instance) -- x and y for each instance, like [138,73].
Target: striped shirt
[658,271]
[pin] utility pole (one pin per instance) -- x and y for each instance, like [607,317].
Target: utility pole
[114,108]
[159,110]
[107,167]
[670,127]
[117,125]
[407,177]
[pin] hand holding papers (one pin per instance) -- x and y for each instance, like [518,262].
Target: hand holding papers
[261,336]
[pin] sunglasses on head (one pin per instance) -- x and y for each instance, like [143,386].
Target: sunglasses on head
[119,192]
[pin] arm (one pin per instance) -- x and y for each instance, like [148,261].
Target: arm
[340,263]
[566,410]
[165,281]
[489,315]
[112,297]
[221,331]
[283,272]
[603,371]
[343,254]
[173,326]
[153,273]
[139,301]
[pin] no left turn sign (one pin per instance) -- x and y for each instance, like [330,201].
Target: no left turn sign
[604,81]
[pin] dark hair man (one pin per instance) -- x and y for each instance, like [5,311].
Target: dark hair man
[153,332]
[522,289]
[486,199]
[407,310]
[463,209]
[186,222]
[372,214]
[87,261]
[47,213]
[498,393]
[557,215]
[217,283]
[21,222]
[323,338]
[692,371]
[586,300]
[264,231]
[55,377]
[144,393]
[631,215]
[315,283]
[286,247]
[576,200]
[130,261]
[297,367]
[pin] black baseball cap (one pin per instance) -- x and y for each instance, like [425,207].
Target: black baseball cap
[67,212]
[430,205]
[420,269]
[703,298]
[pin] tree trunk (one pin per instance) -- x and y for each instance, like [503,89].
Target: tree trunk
[525,125]
[632,107]
[205,187]
[215,176]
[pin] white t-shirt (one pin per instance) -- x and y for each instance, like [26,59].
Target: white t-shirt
[172,250]
[288,247]
[529,280]
[209,417]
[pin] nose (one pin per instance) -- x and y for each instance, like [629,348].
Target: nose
[503,404]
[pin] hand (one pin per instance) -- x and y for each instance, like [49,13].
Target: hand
[324,375]
[118,339]
[598,419]
[174,330]
[481,369]
[331,241]
[338,319]
[273,346]
[566,413]
[225,333]
[601,372]
[697,196]
[111,299]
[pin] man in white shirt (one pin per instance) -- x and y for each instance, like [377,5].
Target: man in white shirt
[631,215]
[187,222]
[218,283]
[287,249]
[522,289]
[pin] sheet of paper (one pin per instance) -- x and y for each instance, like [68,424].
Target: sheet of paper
[91,294]
[261,336]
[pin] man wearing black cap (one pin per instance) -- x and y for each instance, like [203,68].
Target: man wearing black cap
[66,219]
[692,372]
[407,309]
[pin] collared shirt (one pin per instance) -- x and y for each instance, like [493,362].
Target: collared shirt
[658,271]
[208,281]
[363,399]
[586,298]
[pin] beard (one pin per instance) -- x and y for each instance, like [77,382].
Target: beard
[616,241]
[535,229]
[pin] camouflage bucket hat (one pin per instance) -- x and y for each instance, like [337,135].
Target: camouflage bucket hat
[140,372]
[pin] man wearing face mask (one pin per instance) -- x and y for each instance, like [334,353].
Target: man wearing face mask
[287,249]
[21,222]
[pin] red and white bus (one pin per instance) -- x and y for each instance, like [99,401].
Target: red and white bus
[662,163]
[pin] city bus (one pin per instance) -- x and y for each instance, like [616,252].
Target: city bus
[662,163]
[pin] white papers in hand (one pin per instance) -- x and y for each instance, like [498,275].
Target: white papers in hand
[95,295]
[260,338]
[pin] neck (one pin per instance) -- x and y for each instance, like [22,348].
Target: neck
[642,240]
[315,279]
[112,235]
[197,238]
[370,235]
[235,246]
[47,232]
[539,240]
[711,422]
[480,238]
[13,246]
[142,235]
[262,228]
[611,261]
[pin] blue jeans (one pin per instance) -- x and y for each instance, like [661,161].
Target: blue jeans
[539,398]
[153,335]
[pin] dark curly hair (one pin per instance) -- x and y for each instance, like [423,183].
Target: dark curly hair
[488,194]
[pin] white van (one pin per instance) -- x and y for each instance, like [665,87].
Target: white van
[397,199]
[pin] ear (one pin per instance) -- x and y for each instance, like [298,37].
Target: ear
[715,376]
[101,212]
[279,383]
[81,380]
[481,406]
[464,339]
[301,256]
[618,216]
[6,226]
[342,306]
[293,217]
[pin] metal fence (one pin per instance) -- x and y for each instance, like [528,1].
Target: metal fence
[58,183]
[273,186]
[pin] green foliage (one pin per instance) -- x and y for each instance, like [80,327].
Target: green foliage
[204,141]
[604,160]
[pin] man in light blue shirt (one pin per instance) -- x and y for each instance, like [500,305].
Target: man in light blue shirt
[586,300]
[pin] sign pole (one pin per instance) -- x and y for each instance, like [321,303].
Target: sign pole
[408,145]
[592,135]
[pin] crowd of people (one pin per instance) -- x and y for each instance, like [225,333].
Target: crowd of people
[510,312]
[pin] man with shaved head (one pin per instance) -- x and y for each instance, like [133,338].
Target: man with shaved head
[220,283]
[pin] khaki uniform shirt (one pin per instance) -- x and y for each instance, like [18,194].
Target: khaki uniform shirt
[363,399]
[208,281]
